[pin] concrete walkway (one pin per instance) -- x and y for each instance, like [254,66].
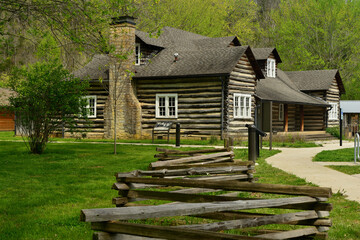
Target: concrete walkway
[298,161]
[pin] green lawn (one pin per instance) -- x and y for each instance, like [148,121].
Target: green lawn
[214,141]
[340,155]
[41,195]
[351,170]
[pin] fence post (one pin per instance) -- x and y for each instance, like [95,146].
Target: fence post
[252,153]
[177,135]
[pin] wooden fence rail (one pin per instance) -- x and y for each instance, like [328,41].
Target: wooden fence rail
[208,201]
[221,212]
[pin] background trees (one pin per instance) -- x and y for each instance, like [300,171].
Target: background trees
[309,34]
[322,34]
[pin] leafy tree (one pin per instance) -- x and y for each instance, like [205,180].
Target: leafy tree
[212,18]
[47,97]
[322,34]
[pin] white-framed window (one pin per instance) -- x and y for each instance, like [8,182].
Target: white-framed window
[166,105]
[271,68]
[91,106]
[137,54]
[281,112]
[242,105]
[334,111]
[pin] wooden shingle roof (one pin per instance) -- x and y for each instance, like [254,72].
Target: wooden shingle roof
[212,61]
[316,79]
[198,56]
[282,89]
[97,68]
[264,53]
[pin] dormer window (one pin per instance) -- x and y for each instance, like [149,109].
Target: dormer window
[137,54]
[271,68]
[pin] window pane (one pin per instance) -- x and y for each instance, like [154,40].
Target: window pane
[171,101]
[236,106]
[162,111]
[171,106]
[162,108]
[242,106]
[247,107]
[161,101]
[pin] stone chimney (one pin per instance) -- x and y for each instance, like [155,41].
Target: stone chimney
[123,110]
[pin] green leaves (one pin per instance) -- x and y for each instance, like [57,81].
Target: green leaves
[322,34]
[47,97]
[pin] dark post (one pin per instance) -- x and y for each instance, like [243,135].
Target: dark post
[177,134]
[252,143]
[271,126]
[341,118]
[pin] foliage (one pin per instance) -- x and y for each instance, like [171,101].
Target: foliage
[318,34]
[334,131]
[211,18]
[47,97]
[340,155]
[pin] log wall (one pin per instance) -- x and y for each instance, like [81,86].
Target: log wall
[333,96]
[314,118]
[199,104]
[242,80]
[94,127]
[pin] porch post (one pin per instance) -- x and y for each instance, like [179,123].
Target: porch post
[286,116]
[302,118]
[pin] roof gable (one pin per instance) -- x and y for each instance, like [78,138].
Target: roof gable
[282,89]
[316,79]
[215,61]
[264,53]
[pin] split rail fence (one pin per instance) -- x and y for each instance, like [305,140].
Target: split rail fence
[208,201]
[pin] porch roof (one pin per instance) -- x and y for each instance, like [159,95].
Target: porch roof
[350,106]
[282,89]
[316,79]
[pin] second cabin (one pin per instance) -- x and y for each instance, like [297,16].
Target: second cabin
[211,86]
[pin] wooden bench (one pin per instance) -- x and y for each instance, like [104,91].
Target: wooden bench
[160,128]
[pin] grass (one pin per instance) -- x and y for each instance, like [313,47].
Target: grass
[41,195]
[296,144]
[289,141]
[340,155]
[350,170]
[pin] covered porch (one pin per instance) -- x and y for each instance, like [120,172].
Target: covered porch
[290,117]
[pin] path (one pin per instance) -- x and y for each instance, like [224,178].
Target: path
[298,161]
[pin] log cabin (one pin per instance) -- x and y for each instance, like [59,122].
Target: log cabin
[211,86]
[299,101]
[7,117]
[323,84]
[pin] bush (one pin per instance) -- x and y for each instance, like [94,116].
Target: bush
[334,131]
[48,96]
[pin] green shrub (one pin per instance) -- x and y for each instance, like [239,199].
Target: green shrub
[334,131]
[213,140]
